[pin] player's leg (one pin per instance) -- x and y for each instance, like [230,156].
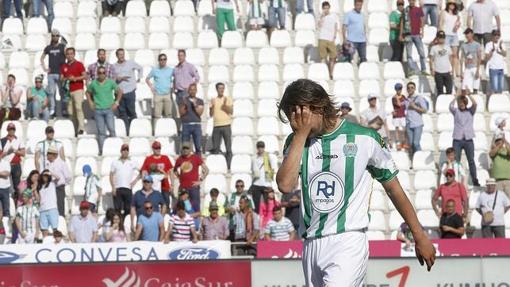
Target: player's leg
[313,274]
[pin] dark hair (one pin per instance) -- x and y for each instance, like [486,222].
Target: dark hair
[29,177]
[181,51]
[450,200]
[325,3]
[41,182]
[71,49]
[121,224]
[214,191]
[277,208]
[219,84]
[358,1]
[11,76]
[192,84]
[119,50]
[161,55]
[110,212]
[57,233]
[305,92]
[455,10]
[180,205]
[411,83]
[450,150]
[239,180]
[463,99]
[101,50]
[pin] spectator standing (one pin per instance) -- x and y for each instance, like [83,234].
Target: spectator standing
[93,190]
[328,29]
[56,58]
[93,69]
[345,109]
[112,7]
[245,225]
[256,17]
[191,109]
[27,219]
[41,149]
[50,14]
[146,194]
[217,198]
[263,166]
[464,133]
[122,173]
[83,227]
[48,206]
[353,30]
[116,233]
[221,109]
[127,79]
[194,213]
[185,74]
[276,15]
[103,96]
[492,205]
[471,59]
[163,166]
[6,11]
[375,118]
[214,226]
[430,11]
[300,6]
[5,186]
[495,55]
[451,190]
[480,14]
[411,32]
[73,74]
[37,101]
[500,156]
[61,175]
[182,226]
[449,22]
[150,226]
[441,65]
[451,224]
[399,117]
[31,183]
[291,202]
[233,201]
[416,105]
[11,100]
[279,228]
[397,46]
[161,88]
[12,150]
[452,163]
[224,11]
[267,205]
[187,170]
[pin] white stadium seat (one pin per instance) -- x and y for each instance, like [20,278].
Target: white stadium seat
[109,41]
[184,8]
[19,59]
[268,126]
[445,140]
[344,88]
[293,55]
[219,56]
[86,9]
[272,144]
[165,127]
[216,163]
[401,159]
[499,103]
[428,218]
[87,147]
[232,40]
[81,161]
[318,72]
[37,26]
[256,39]
[136,9]
[304,21]
[110,25]
[85,41]
[242,127]
[140,128]
[158,41]
[204,8]
[304,38]
[145,57]
[242,145]
[267,108]
[207,39]
[134,41]
[63,25]
[378,36]
[377,6]
[244,56]
[425,179]
[12,26]
[445,122]
[423,160]
[427,142]
[215,181]
[241,163]
[243,108]
[268,73]
[443,103]
[393,70]
[292,72]
[268,55]
[377,201]
[368,71]
[63,9]
[268,90]
[182,40]
[139,146]
[280,39]
[378,20]
[111,146]
[134,25]
[243,73]
[218,74]
[159,8]
[159,25]
[242,90]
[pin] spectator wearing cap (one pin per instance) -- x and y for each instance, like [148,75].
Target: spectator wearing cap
[449,22]
[453,190]
[480,14]
[353,30]
[263,166]
[27,219]
[73,76]
[93,190]
[161,88]
[214,226]
[150,225]
[345,109]
[185,74]
[103,96]
[56,58]
[147,193]
[452,163]
[186,169]
[492,204]
[416,105]
[41,149]
[221,109]
[37,101]
[279,228]
[182,226]
[500,123]
[5,186]
[430,11]
[127,79]
[397,46]
[411,32]
[495,55]
[48,206]
[375,118]
[83,227]
[11,100]
[217,198]
[500,156]
[440,56]
[328,31]
[470,61]
[38,10]
[61,175]
[122,179]
[191,109]
[451,224]
[399,116]
[463,131]
[12,150]
[159,165]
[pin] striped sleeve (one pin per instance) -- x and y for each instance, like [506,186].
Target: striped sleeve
[290,227]
[268,227]
[381,165]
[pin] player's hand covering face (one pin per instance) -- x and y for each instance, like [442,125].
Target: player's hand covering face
[305,122]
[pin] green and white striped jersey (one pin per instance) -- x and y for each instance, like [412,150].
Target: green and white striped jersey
[336,172]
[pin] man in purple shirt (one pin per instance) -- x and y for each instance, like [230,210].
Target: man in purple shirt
[185,74]
[463,131]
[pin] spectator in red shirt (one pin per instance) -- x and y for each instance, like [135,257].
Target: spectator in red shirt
[399,116]
[186,169]
[74,73]
[163,166]
[12,150]
[451,190]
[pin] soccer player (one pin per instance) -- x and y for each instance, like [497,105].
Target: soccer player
[337,160]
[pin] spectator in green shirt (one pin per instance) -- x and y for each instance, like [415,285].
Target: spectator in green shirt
[103,96]
[500,155]
[396,45]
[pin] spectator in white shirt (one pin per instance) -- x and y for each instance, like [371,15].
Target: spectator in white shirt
[61,176]
[12,150]
[480,15]
[93,191]
[11,100]
[5,186]
[495,55]
[264,166]
[492,205]
[440,56]
[122,179]
[470,61]
[83,227]
[328,29]
[41,149]
[48,203]
[375,118]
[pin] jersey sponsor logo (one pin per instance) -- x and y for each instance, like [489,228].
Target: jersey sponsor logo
[326,192]
[350,149]
[323,156]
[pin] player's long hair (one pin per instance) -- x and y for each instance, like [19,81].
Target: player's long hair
[304,92]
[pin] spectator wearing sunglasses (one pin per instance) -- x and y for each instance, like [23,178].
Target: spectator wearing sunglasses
[146,194]
[451,190]
[37,101]
[161,87]
[150,225]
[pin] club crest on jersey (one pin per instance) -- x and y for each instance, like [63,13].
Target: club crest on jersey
[350,149]
[326,192]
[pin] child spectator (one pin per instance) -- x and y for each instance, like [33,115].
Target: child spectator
[399,117]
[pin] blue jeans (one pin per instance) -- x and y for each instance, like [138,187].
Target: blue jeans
[34,110]
[49,7]
[430,10]
[180,94]
[414,138]
[53,84]
[7,8]
[276,13]
[104,120]
[300,6]
[416,40]
[192,130]
[361,48]
[127,108]
[497,78]
[469,148]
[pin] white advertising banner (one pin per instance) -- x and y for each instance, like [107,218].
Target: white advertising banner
[113,252]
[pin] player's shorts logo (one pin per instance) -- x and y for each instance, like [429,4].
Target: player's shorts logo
[350,149]
[326,192]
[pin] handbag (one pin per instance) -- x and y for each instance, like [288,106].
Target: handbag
[488,216]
